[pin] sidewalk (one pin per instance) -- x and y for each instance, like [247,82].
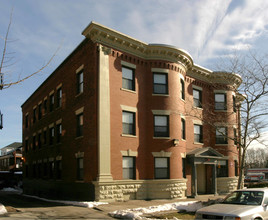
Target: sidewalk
[134,204]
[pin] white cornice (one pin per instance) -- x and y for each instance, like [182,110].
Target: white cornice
[114,39]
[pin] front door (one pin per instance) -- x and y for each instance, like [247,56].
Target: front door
[201,178]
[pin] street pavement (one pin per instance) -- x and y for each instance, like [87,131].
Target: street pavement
[21,207]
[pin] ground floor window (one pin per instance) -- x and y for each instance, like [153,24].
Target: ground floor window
[129,170]
[80,169]
[161,168]
[222,169]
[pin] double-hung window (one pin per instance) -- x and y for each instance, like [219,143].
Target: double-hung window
[34,115]
[221,135]
[80,82]
[51,135]
[79,124]
[182,89]
[160,81]
[220,101]
[39,111]
[128,78]
[128,120]
[51,102]
[222,169]
[80,169]
[183,131]
[161,126]
[59,132]
[197,96]
[161,168]
[129,170]
[59,97]
[198,133]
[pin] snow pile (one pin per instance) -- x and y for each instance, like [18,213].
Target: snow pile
[9,189]
[81,204]
[136,213]
[2,209]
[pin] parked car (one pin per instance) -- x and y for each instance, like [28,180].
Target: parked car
[239,205]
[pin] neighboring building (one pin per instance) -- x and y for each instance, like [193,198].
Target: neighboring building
[11,157]
[121,119]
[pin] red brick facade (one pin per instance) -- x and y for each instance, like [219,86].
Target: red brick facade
[52,169]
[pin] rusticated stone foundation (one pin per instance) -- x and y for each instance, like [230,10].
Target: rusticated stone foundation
[122,190]
[226,184]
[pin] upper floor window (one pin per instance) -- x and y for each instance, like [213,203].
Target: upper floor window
[182,89]
[161,126]
[51,102]
[45,106]
[26,145]
[59,132]
[198,133]
[34,142]
[129,170]
[234,104]
[221,135]
[80,82]
[34,115]
[160,81]
[79,124]
[220,101]
[128,119]
[128,78]
[161,168]
[39,140]
[45,137]
[235,136]
[183,131]
[51,135]
[59,97]
[197,96]
[39,111]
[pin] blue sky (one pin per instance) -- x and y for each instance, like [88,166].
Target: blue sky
[206,29]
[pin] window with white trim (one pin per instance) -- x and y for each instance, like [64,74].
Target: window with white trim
[160,83]
[198,133]
[128,78]
[161,167]
[161,126]
[220,101]
[128,119]
[129,168]
[197,96]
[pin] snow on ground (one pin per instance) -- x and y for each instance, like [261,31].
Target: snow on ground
[2,209]
[136,213]
[75,203]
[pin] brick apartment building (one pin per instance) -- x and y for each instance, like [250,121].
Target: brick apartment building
[121,119]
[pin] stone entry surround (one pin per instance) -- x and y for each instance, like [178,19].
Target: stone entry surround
[123,190]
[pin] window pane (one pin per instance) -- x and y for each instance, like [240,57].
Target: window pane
[127,162]
[161,173]
[160,120]
[128,117]
[127,73]
[220,97]
[161,162]
[197,129]
[160,78]
[196,94]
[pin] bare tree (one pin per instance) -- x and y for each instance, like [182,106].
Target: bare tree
[7,61]
[251,96]
[256,158]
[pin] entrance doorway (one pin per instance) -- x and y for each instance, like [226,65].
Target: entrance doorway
[201,179]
